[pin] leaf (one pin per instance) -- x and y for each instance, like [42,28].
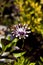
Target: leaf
[19,54]
[0,45]
[5,54]
[32,63]
[40,63]
[11,43]
[15,40]
[41,59]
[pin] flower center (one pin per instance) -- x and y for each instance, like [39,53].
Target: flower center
[21,31]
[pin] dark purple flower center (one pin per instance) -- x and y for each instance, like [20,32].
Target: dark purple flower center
[21,33]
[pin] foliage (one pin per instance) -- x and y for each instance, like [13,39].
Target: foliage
[31,14]
[23,61]
[10,52]
[26,12]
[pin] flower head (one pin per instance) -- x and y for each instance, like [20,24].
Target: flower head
[21,31]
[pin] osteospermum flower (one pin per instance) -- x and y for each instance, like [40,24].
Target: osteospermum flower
[21,31]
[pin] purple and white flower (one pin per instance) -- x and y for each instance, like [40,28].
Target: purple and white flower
[21,31]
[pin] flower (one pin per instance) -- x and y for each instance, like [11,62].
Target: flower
[21,31]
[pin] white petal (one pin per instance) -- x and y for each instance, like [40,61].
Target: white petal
[28,27]
[19,37]
[26,35]
[16,35]
[28,31]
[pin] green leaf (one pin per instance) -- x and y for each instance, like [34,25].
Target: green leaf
[8,37]
[19,54]
[41,59]
[15,40]
[32,63]
[40,63]
[11,43]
